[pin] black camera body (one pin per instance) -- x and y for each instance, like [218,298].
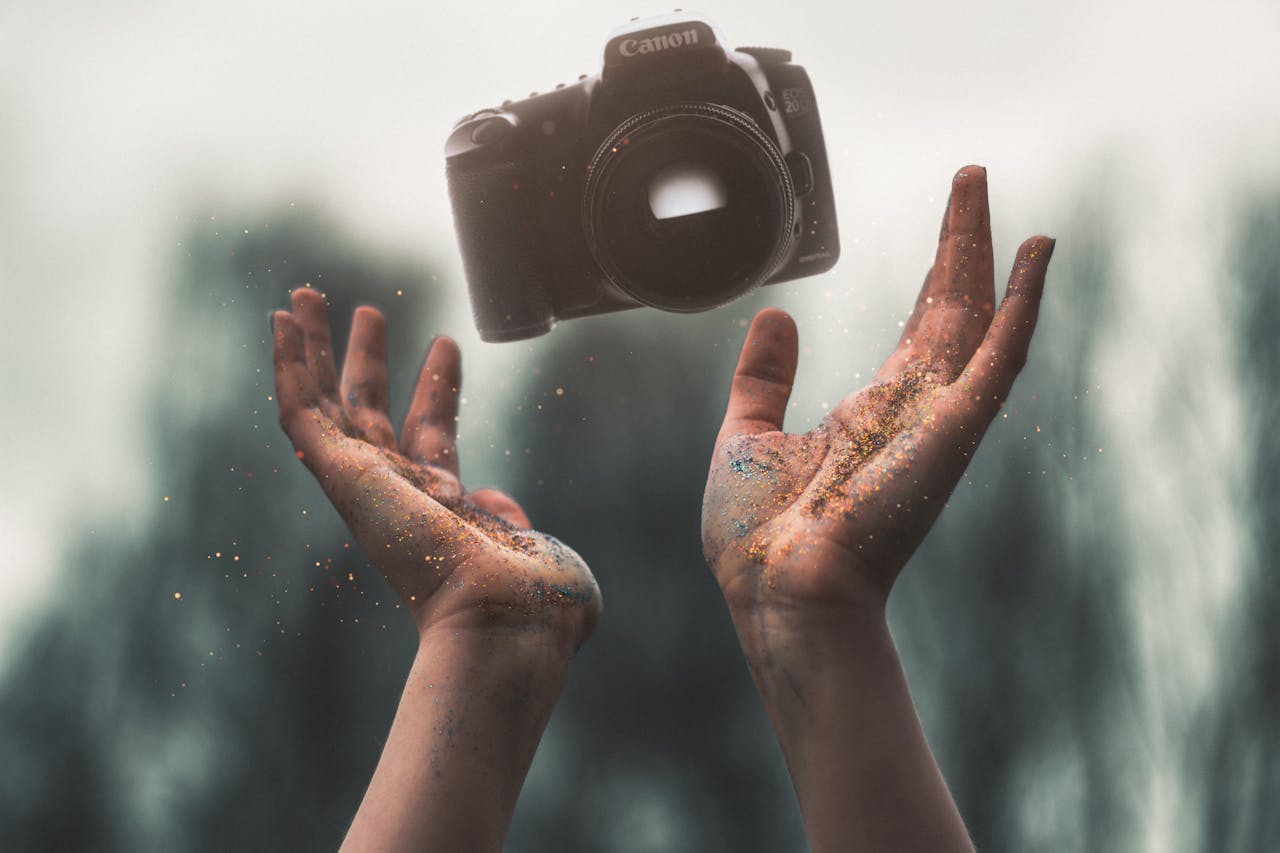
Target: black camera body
[554,196]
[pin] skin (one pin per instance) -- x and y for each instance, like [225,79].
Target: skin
[500,609]
[807,533]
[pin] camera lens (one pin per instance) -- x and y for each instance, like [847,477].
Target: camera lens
[688,207]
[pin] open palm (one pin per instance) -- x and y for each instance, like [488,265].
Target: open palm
[457,559]
[832,515]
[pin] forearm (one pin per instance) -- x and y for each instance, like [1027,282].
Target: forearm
[834,688]
[469,721]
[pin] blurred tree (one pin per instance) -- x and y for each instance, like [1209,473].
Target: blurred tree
[1239,780]
[223,678]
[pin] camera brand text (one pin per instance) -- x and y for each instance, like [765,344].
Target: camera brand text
[653,44]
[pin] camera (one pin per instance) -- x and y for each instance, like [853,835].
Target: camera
[682,176]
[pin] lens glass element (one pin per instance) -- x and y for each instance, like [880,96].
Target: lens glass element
[685,188]
[688,207]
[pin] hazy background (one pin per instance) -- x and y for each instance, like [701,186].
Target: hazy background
[1089,631]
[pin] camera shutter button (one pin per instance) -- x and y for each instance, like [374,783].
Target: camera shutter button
[767,55]
[490,131]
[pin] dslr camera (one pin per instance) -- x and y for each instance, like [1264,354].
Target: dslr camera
[681,176]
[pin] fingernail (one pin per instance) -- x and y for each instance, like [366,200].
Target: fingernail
[271,322]
[1053,242]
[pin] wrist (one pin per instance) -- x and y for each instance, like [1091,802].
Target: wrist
[833,687]
[817,582]
[538,622]
[497,655]
[812,628]
[474,707]
[798,654]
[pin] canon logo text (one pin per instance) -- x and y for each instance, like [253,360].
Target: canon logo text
[653,44]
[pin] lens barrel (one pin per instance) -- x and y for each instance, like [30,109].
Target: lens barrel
[700,260]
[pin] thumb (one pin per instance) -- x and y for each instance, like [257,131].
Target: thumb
[762,381]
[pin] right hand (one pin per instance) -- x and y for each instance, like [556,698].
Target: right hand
[824,521]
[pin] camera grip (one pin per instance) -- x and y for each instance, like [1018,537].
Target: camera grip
[499,238]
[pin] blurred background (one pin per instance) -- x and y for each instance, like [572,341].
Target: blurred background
[194,656]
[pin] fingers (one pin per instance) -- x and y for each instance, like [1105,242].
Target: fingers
[970,266]
[762,381]
[308,308]
[431,426]
[296,389]
[989,376]
[502,505]
[957,300]
[364,377]
[964,298]
[297,395]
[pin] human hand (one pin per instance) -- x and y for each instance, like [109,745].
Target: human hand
[806,534]
[500,608]
[829,517]
[458,559]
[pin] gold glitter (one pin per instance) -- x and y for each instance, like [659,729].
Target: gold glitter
[888,411]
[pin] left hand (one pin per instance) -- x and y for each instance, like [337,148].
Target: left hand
[458,559]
